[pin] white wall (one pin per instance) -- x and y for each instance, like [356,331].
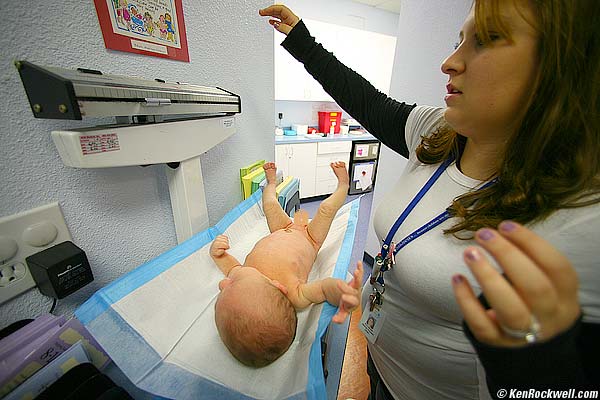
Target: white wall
[346,13]
[339,12]
[122,217]
[427,31]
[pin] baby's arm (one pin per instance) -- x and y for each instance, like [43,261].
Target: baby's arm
[225,261]
[335,291]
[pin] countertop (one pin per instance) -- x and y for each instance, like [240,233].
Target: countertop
[335,138]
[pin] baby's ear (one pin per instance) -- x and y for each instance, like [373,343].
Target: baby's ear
[279,286]
[224,283]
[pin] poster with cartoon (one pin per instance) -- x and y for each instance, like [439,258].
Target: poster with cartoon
[151,27]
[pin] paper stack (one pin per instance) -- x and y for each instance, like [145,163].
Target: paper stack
[35,356]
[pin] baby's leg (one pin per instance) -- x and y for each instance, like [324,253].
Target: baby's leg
[320,224]
[276,217]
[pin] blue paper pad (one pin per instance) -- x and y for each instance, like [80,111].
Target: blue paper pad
[157,322]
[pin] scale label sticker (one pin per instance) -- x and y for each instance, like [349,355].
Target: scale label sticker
[94,144]
[228,123]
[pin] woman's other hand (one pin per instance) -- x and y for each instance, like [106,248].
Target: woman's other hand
[283,19]
[538,303]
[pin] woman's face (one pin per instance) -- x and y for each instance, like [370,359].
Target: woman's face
[488,85]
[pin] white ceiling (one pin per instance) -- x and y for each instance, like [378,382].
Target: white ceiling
[388,5]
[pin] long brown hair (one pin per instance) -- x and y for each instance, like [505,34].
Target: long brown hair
[552,161]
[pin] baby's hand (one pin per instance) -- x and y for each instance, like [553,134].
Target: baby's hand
[218,246]
[350,298]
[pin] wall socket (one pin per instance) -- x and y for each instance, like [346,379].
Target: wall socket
[22,235]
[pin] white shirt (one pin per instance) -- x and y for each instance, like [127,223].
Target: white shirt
[421,351]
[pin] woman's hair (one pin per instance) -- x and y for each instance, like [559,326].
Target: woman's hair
[552,160]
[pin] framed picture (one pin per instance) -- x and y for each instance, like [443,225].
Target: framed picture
[150,27]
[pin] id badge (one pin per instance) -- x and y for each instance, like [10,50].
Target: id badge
[371,322]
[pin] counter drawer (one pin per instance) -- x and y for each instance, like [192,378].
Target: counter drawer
[334,147]
[325,187]
[325,173]
[326,181]
[326,159]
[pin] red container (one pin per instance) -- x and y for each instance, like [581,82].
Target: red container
[327,119]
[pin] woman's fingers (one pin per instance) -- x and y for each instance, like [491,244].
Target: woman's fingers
[284,19]
[280,26]
[281,12]
[543,278]
[272,11]
[531,282]
[483,328]
[541,289]
[511,310]
[545,256]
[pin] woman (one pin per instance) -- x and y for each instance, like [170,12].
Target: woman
[519,139]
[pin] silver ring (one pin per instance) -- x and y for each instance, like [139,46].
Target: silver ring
[532,335]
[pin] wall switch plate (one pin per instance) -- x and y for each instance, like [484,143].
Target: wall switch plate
[22,235]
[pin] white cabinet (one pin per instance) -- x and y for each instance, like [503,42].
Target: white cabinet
[298,160]
[282,155]
[326,181]
[368,53]
[310,163]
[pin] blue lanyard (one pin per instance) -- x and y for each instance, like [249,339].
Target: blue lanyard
[429,225]
[383,261]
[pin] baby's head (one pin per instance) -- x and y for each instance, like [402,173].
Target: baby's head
[255,319]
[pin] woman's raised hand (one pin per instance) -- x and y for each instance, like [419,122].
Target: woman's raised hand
[541,299]
[283,19]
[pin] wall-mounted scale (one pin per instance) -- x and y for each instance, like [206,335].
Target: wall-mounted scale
[156,122]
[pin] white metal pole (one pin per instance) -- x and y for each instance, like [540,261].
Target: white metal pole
[188,201]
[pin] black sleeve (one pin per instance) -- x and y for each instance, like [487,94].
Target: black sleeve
[567,361]
[384,117]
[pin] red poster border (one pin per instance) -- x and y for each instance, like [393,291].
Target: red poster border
[123,43]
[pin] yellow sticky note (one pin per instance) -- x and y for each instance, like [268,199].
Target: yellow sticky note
[67,365]
[71,336]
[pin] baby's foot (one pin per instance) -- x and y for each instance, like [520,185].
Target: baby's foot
[340,171]
[270,172]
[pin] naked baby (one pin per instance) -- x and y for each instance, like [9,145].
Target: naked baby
[255,311]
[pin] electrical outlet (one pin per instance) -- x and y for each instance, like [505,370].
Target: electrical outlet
[22,235]
[11,272]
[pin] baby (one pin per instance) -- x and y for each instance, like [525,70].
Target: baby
[256,308]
